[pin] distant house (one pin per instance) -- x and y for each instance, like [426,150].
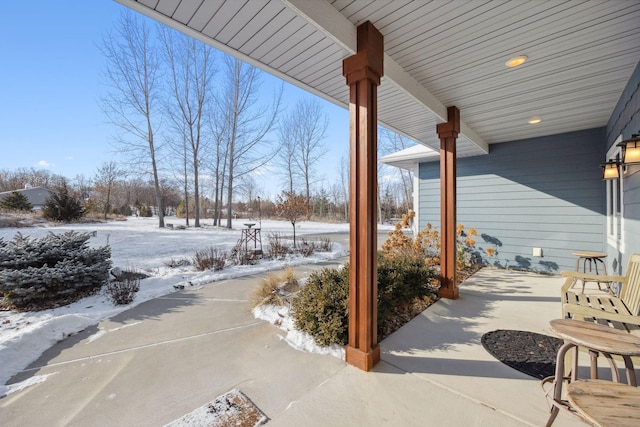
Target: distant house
[37,195]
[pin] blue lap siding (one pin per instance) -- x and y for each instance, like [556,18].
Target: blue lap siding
[543,193]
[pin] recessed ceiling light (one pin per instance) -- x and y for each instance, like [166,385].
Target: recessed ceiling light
[518,60]
[534,120]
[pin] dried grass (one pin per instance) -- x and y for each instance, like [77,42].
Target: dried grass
[275,289]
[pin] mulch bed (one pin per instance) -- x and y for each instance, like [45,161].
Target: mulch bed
[403,314]
[528,352]
[48,304]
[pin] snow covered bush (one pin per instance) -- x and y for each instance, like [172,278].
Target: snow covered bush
[178,262]
[51,268]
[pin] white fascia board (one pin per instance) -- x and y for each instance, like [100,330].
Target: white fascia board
[336,26]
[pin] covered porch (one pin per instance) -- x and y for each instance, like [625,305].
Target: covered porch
[440,73]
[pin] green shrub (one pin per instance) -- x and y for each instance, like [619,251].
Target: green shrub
[401,279]
[321,307]
[16,202]
[124,210]
[51,268]
[62,206]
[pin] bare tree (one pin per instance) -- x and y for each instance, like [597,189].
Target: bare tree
[179,146]
[191,67]
[306,126]
[249,188]
[82,186]
[391,142]
[23,177]
[133,104]
[285,157]
[105,182]
[246,123]
[217,158]
[343,172]
[337,197]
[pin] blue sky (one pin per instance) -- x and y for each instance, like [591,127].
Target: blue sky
[51,82]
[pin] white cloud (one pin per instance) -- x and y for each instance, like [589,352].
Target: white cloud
[70,158]
[44,164]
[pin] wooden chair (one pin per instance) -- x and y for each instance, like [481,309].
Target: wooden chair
[621,312]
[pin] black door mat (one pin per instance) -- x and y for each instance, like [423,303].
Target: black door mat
[528,352]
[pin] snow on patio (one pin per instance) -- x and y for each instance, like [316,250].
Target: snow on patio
[140,245]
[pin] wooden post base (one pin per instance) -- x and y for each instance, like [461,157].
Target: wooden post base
[450,293]
[362,360]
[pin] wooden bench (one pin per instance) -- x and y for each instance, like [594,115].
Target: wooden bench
[621,312]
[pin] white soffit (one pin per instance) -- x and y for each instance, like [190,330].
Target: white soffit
[438,53]
[409,157]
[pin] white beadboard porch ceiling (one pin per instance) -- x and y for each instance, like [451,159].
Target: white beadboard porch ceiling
[438,53]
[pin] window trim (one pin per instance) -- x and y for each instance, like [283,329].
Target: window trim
[614,219]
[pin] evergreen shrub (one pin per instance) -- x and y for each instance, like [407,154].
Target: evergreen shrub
[401,279]
[54,267]
[16,202]
[62,206]
[321,307]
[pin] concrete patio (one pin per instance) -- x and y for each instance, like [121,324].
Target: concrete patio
[169,356]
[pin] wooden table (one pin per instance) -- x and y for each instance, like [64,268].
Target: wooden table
[597,339]
[605,403]
[593,258]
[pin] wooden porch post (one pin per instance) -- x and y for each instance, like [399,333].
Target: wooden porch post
[363,71]
[448,132]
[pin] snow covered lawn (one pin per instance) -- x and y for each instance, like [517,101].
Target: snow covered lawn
[140,245]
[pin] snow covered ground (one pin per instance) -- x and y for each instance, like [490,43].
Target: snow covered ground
[137,244]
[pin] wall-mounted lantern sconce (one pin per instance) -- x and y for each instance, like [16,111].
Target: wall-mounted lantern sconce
[631,150]
[610,170]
